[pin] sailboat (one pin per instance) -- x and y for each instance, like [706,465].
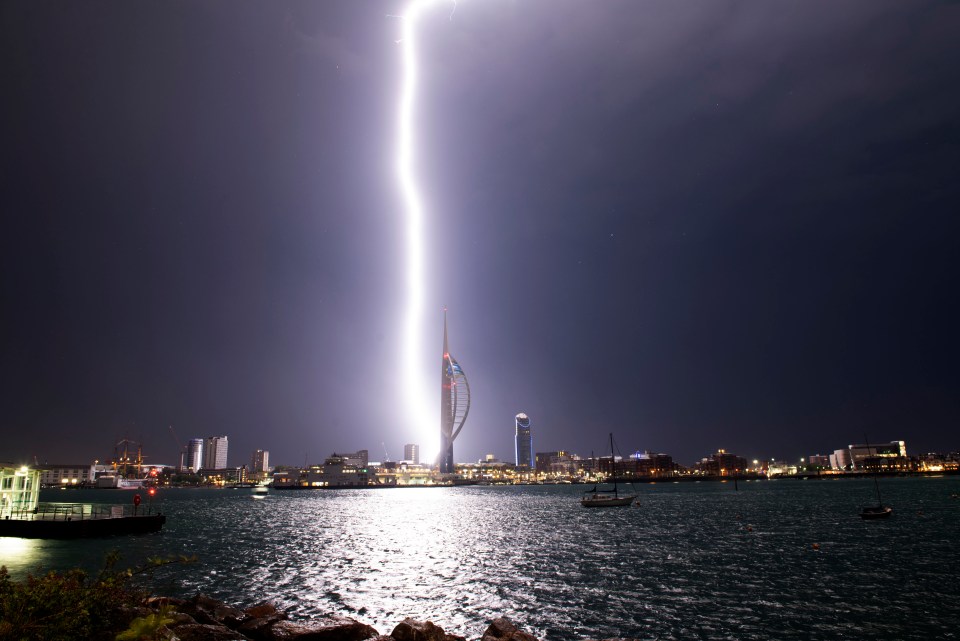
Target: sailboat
[607,498]
[878,511]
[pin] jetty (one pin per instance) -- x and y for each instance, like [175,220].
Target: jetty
[21,514]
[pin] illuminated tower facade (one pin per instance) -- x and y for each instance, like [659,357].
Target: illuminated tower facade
[454,403]
[215,453]
[194,455]
[524,442]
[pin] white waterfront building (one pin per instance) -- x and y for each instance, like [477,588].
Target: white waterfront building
[215,453]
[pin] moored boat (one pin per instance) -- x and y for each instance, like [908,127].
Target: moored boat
[600,499]
[876,512]
[611,497]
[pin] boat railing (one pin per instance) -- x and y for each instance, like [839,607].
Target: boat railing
[80,512]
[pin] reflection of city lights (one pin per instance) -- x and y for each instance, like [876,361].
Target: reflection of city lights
[420,406]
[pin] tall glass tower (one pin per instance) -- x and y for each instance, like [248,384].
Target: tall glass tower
[524,443]
[454,403]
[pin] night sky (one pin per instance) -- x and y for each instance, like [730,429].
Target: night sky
[698,225]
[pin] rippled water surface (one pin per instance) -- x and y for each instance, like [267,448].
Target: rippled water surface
[694,561]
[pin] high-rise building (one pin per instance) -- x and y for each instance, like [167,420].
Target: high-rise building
[411,453]
[524,442]
[215,453]
[194,455]
[454,403]
[260,462]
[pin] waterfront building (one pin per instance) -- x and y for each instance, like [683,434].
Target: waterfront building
[340,471]
[411,453]
[555,463]
[647,465]
[654,465]
[523,443]
[336,471]
[487,471]
[882,455]
[840,460]
[402,474]
[938,462]
[780,468]
[260,461]
[194,455]
[721,463]
[62,475]
[19,490]
[454,403]
[818,462]
[215,453]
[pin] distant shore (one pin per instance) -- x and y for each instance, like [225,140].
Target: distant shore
[690,478]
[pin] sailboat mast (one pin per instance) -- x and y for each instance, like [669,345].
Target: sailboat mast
[876,484]
[613,466]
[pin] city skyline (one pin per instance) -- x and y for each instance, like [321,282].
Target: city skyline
[697,226]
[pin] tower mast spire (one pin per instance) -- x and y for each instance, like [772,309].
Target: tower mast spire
[454,402]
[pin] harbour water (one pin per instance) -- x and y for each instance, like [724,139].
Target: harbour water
[694,561]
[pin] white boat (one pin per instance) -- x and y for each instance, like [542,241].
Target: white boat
[599,499]
[607,498]
[261,488]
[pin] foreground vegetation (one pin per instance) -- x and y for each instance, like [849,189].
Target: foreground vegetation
[71,605]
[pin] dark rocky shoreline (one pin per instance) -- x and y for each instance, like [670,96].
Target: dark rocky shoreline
[202,618]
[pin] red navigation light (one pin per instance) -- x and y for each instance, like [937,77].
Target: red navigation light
[152,491]
[136,499]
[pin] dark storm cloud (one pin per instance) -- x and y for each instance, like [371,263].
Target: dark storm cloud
[759,168]
[701,225]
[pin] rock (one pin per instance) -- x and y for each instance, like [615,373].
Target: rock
[259,628]
[179,618]
[212,612]
[263,609]
[413,630]
[159,601]
[207,632]
[503,629]
[326,628]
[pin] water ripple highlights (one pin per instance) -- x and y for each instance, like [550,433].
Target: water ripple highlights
[695,561]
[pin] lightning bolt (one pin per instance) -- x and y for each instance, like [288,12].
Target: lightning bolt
[420,406]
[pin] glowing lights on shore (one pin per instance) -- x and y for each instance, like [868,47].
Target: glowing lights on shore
[421,405]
